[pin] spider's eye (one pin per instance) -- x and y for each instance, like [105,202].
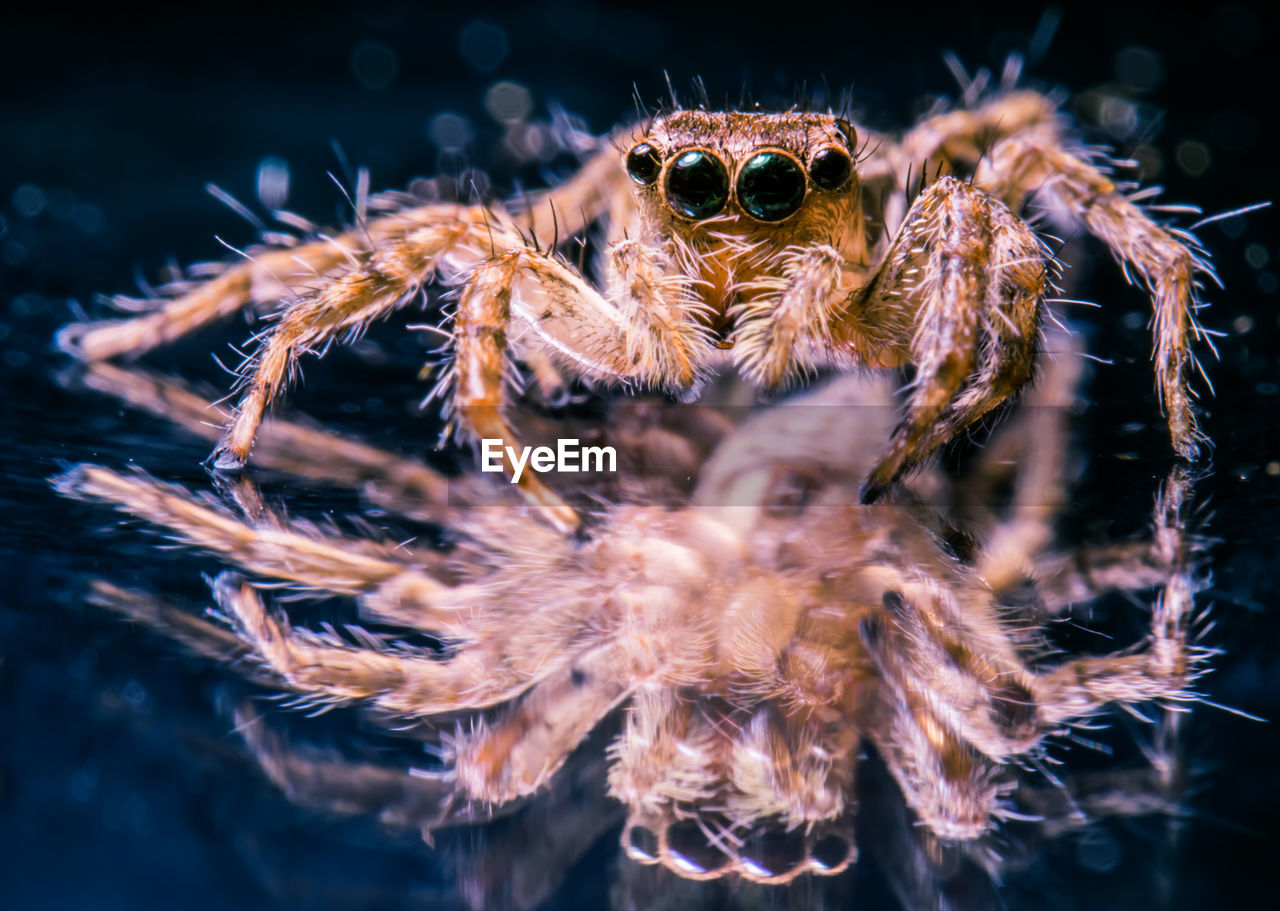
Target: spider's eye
[697,184]
[847,133]
[644,163]
[770,186]
[830,168]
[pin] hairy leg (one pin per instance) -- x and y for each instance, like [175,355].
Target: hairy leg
[390,677]
[971,276]
[206,639]
[945,143]
[1166,259]
[270,274]
[947,783]
[1082,575]
[388,279]
[422,801]
[943,649]
[950,659]
[1165,669]
[1030,454]
[524,298]
[519,752]
[964,136]
[297,448]
[297,553]
[267,277]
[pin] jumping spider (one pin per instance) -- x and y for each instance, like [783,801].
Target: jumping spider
[779,243]
[757,632]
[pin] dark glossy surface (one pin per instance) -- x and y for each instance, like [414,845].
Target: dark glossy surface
[120,786]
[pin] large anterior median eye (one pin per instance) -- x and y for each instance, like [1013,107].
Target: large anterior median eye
[697,184]
[770,186]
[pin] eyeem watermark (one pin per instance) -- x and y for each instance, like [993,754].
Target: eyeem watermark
[567,456]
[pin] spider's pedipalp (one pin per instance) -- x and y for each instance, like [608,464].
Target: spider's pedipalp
[787,326]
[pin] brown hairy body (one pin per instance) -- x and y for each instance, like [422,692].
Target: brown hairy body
[778,244]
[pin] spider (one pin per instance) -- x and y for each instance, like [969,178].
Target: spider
[756,633]
[778,243]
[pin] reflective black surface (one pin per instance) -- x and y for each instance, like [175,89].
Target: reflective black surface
[119,784]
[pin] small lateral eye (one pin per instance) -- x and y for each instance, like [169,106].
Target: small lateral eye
[830,168]
[697,184]
[847,132]
[770,186]
[643,163]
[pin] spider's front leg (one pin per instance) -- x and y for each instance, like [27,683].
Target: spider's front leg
[1035,161]
[525,299]
[968,278]
[950,786]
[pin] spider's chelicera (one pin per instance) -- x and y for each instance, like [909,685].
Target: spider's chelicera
[775,244]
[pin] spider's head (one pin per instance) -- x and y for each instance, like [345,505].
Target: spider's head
[789,177]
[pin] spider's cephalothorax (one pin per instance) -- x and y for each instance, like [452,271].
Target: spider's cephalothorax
[778,244]
[732,192]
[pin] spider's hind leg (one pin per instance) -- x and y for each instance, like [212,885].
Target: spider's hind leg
[971,277]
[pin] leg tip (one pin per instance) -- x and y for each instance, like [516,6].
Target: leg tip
[224,460]
[872,492]
[1187,449]
[73,482]
[70,340]
[882,477]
